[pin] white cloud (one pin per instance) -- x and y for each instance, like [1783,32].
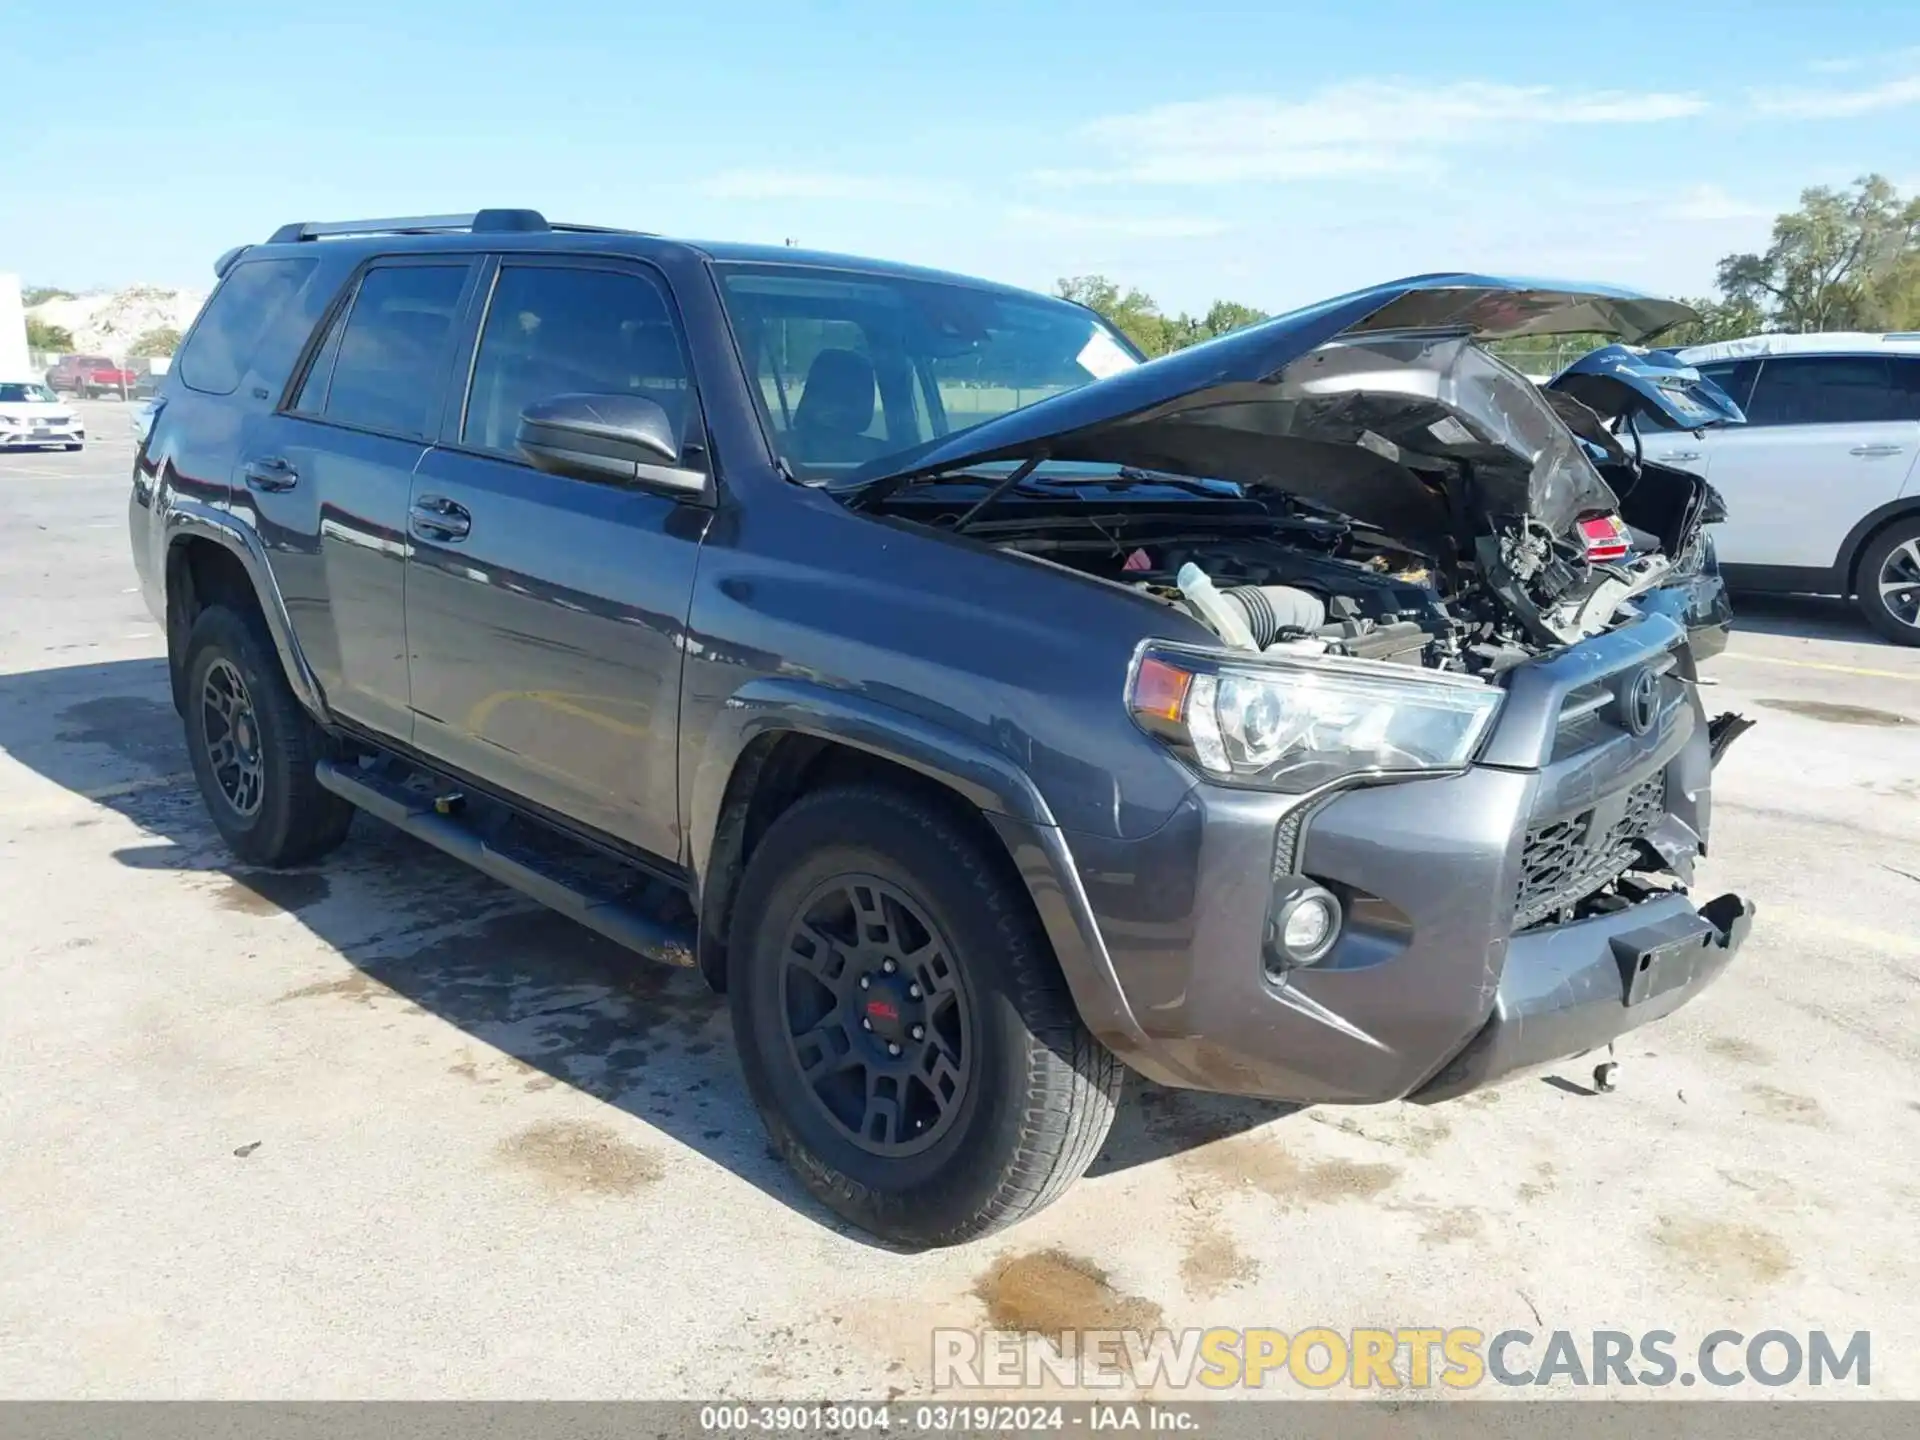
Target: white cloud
[1363,126]
[1839,104]
[1709,203]
[821,185]
[1033,219]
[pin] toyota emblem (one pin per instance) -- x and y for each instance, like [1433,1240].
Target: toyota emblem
[1640,704]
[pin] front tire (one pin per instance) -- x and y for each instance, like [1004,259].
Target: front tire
[1889,595]
[903,1025]
[253,749]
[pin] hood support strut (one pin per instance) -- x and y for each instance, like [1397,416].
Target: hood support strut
[1020,472]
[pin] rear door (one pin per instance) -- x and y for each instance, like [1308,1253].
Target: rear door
[546,615]
[328,476]
[1828,439]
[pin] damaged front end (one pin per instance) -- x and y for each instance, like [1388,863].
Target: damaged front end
[1378,522]
[1393,490]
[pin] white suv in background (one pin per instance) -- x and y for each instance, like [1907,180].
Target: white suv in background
[1821,483]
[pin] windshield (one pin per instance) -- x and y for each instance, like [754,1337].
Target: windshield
[853,366]
[25,395]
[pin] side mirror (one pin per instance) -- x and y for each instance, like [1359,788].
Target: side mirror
[623,438]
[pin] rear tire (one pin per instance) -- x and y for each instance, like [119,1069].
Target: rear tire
[956,1092]
[1889,593]
[253,748]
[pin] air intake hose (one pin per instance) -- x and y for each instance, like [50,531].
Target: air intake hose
[1274,610]
[1248,617]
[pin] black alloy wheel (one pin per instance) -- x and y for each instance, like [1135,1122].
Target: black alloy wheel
[879,1019]
[230,731]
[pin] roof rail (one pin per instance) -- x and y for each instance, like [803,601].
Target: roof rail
[479,222]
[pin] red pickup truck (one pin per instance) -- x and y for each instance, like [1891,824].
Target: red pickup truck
[90,376]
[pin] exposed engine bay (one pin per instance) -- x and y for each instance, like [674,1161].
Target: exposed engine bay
[1266,573]
[1397,496]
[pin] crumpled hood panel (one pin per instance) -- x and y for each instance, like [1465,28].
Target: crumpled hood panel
[1364,403]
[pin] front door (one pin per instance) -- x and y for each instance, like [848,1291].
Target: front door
[546,615]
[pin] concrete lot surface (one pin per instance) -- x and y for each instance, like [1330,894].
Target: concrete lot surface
[384,1129]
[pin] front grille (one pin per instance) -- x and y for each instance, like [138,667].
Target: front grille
[1567,860]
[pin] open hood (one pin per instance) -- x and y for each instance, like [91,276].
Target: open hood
[1379,404]
[1619,381]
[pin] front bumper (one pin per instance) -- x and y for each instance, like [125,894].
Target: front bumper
[1465,954]
[28,436]
[1582,986]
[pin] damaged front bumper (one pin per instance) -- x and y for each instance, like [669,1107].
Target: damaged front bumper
[1579,987]
[1482,928]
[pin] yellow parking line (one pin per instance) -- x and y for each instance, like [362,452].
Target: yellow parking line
[1820,665]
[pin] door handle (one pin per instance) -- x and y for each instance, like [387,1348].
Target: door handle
[1679,455]
[272,473]
[434,517]
[1876,450]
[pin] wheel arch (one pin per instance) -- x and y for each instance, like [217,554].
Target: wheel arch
[211,558]
[1854,548]
[780,738]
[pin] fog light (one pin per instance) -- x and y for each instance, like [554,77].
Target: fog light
[1309,926]
[1305,926]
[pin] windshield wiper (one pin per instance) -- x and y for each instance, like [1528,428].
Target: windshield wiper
[874,491]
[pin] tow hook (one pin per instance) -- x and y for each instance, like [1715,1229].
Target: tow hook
[1723,730]
[1606,1075]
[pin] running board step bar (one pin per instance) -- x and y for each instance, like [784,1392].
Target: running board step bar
[444,828]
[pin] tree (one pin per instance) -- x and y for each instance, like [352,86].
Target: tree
[1133,313]
[43,336]
[1138,317]
[1225,316]
[1723,319]
[161,341]
[1839,262]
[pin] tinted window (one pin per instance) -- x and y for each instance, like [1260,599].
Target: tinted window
[1824,390]
[1906,387]
[247,302]
[26,395]
[391,368]
[561,331]
[1735,377]
[312,399]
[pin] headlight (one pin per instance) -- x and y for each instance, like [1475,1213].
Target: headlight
[1296,724]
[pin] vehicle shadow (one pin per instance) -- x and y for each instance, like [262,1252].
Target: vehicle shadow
[1157,1122]
[556,1003]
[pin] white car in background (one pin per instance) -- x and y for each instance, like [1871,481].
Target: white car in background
[1822,483]
[31,414]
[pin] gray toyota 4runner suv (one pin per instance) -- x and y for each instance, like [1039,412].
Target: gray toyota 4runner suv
[1308,715]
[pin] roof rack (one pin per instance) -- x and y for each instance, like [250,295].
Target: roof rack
[478,223]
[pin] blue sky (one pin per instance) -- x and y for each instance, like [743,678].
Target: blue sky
[1268,153]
